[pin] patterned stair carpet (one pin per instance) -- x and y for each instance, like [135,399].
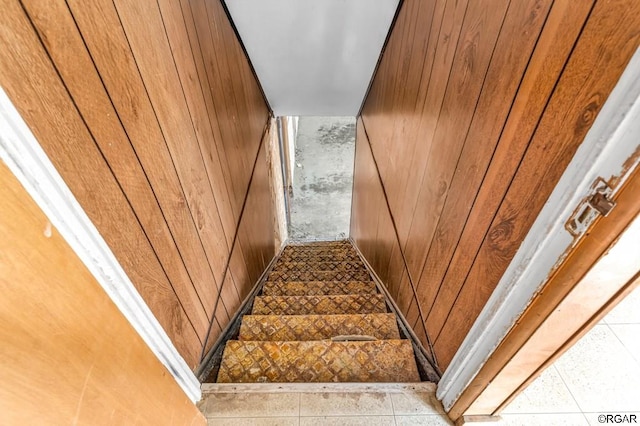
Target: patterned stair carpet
[319,318]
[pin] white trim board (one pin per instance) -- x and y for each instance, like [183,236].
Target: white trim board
[613,138]
[24,156]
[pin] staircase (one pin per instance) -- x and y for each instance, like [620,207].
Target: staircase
[318,318]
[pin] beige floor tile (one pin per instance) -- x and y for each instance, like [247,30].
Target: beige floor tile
[345,404]
[563,419]
[547,394]
[423,420]
[629,335]
[627,311]
[615,418]
[600,373]
[410,403]
[348,421]
[254,421]
[250,405]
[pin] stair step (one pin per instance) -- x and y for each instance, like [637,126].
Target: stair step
[317,288]
[319,305]
[319,276]
[312,244]
[319,257]
[318,361]
[319,250]
[320,266]
[317,327]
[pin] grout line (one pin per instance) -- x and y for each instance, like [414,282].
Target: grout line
[567,386]
[393,409]
[633,356]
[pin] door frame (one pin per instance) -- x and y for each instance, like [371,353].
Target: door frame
[611,149]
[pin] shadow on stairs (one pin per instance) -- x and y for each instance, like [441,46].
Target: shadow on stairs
[317,318]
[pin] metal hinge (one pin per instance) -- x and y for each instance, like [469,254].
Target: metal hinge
[597,203]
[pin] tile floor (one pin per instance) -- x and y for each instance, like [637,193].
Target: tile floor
[599,375]
[406,408]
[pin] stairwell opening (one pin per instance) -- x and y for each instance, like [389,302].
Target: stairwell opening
[318,314]
[318,158]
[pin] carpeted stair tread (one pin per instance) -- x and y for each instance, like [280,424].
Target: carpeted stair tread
[317,327]
[318,361]
[319,276]
[317,288]
[319,305]
[320,266]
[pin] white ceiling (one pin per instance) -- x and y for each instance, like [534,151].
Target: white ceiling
[313,57]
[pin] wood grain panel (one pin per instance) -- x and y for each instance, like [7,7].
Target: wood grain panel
[561,30]
[68,355]
[145,33]
[482,25]
[503,78]
[376,235]
[32,83]
[467,121]
[110,51]
[56,27]
[178,37]
[151,113]
[584,86]
[255,238]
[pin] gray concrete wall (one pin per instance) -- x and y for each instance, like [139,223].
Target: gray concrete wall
[323,179]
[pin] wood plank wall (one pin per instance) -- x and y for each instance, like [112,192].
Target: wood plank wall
[473,114]
[68,355]
[151,113]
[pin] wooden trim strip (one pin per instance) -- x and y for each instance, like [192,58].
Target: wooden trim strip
[24,156]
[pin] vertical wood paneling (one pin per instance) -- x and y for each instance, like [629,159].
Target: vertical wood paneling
[482,24]
[152,115]
[584,86]
[255,239]
[547,63]
[33,84]
[375,234]
[85,363]
[472,116]
[56,27]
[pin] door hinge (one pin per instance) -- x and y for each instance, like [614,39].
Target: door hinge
[597,203]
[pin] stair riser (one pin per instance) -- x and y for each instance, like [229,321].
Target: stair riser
[319,276]
[312,244]
[307,257]
[322,251]
[319,305]
[317,288]
[282,266]
[317,327]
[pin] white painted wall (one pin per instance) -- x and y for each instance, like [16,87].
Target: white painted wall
[313,57]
